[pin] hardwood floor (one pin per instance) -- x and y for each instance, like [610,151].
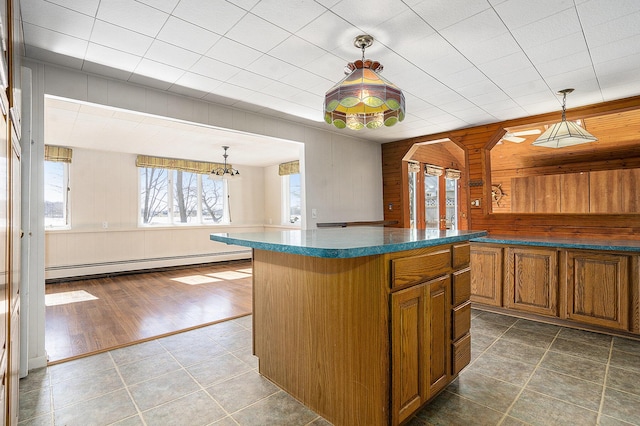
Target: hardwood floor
[95,315]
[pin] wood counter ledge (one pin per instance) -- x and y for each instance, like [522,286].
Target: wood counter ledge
[567,243]
[363,325]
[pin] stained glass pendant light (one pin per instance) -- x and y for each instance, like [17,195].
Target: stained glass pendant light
[363,98]
[565,133]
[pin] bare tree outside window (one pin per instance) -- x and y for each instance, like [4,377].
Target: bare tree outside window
[55,194]
[153,197]
[212,200]
[186,195]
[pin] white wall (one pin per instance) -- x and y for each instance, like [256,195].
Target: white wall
[343,174]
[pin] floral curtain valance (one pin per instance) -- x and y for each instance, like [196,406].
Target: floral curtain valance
[57,153]
[414,167]
[431,170]
[201,167]
[290,168]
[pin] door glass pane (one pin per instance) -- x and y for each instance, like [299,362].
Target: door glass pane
[452,203]
[412,199]
[431,204]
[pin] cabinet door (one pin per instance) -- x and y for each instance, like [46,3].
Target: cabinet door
[598,289]
[409,363]
[486,274]
[531,280]
[439,334]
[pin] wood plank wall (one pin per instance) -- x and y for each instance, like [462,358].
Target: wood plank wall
[477,141]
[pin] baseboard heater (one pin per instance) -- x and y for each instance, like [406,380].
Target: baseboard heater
[246,253]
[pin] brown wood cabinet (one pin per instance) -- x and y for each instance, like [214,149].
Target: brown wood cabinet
[598,289]
[367,340]
[591,287]
[486,274]
[531,280]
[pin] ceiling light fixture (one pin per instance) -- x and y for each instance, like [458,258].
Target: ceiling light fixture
[226,170]
[565,133]
[363,98]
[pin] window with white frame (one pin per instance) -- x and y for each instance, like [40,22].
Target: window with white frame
[177,197]
[56,194]
[56,186]
[292,202]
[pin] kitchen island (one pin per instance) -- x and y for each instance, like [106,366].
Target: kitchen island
[363,325]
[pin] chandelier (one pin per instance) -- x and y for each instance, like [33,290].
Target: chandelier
[226,170]
[363,98]
[565,133]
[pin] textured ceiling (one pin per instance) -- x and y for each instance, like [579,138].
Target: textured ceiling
[460,63]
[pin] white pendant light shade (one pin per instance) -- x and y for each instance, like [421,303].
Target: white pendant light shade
[565,133]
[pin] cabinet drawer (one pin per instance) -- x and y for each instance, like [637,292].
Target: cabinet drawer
[417,269]
[461,320]
[461,254]
[461,356]
[461,286]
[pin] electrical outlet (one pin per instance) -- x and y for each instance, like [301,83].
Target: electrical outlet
[105,225]
[314,214]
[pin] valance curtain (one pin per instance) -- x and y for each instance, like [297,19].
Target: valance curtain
[431,170]
[290,168]
[57,153]
[414,167]
[452,174]
[201,167]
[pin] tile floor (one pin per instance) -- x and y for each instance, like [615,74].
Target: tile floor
[522,372]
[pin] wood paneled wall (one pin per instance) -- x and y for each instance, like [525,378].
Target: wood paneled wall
[477,141]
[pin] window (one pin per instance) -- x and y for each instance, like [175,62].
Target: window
[292,208]
[56,194]
[174,197]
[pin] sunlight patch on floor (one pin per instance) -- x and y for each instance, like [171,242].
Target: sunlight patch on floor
[63,298]
[196,279]
[246,270]
[230,275]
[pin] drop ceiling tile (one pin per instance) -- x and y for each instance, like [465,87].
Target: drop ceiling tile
[296,51]
[169,54]
[306,80]
[87,7]
[156,70]
[188,36]
[291,15]
[244,4]
[520,90]
[569,63]
[329,66]
[523,76]
[214,69]
[616,50]
[133,15]
[490,50]
[518,13]
[617,30]
[105,70]
[330,31]
[271,67]
[373,14]
[509,65]
[573,79]
[554,27]
[440,17]
[596,12]
[444,67]
[54,41]
[144,80]
[400,30]
[216,16]
[166,6]
[106,56]
[280,90]
[118,38]
[56,18]
[558,48]
[250,80]
[257,33]
[233,53]
[485,25]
